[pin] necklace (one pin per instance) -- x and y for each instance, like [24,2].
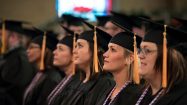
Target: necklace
[143,95]
[124,86]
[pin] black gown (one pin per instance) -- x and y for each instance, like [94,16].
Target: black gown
[41,86]
[15,74]
[68,88]
[102,88]
[127,96]
[90,92]
[177,96]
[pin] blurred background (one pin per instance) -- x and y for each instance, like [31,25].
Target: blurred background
[45,13]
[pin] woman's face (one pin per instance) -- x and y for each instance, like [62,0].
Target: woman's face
[82,53]
[148,56]
[114,58]
[33,52]
[62,56]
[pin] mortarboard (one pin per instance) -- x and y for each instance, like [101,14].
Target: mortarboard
[68,39]
[32,32]
[72,20]
[155,35]
[183,27]
[13,25]
[51,40]
[122,19]
[101,20]
[102,37]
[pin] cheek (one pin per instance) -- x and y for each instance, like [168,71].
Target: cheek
[114,63]
[83,57]
[34,56]
[62,59]
[147,69]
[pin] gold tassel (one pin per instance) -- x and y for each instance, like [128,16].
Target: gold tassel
[164,71]
[42,67]
[136,77]
[3,39]
[74,44]
[95,59]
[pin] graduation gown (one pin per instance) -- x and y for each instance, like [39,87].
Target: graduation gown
[90,92]
[102,88]
[68,88]
[177,96]
[41,86]
[15,74]
[127,96]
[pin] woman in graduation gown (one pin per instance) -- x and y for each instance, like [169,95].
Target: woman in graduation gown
[163,66]
[119,60]
[40,52]
[94,82]
[63,59]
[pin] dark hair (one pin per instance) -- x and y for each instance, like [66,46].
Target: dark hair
[100,57]
[48,59]
[176,67]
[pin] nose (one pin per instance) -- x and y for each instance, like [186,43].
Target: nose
[54,52]
[75,50]
[141,55]
[105,55]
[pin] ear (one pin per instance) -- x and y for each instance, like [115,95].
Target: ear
[129,59]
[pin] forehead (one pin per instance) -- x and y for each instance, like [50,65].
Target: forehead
[148,44]
[82,41]
[62,45]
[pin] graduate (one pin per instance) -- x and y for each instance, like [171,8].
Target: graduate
[163,66]
[15,70]
[88,58]
[63,59]
[122,61]
[40,55]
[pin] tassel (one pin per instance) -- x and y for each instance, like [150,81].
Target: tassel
[164,71]
[136,77]
[3,39]
[95,59]
[74,44]
[43,52]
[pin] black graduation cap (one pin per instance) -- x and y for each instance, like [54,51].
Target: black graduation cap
[183,27]
[122,19]
[103,37]
[137,22]
[101,20]
[68,39]
[32,32]
[69,31]
[174,36]
[72,20]
[13,25]
[126,40]
[51,40]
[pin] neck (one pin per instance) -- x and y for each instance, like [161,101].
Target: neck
[68,70]
[155,83]
[38,64]
[121,77]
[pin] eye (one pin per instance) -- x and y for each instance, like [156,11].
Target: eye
[147,51]
[79,45]
[112,49]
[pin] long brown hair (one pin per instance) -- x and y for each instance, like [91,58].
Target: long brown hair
[176,67]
